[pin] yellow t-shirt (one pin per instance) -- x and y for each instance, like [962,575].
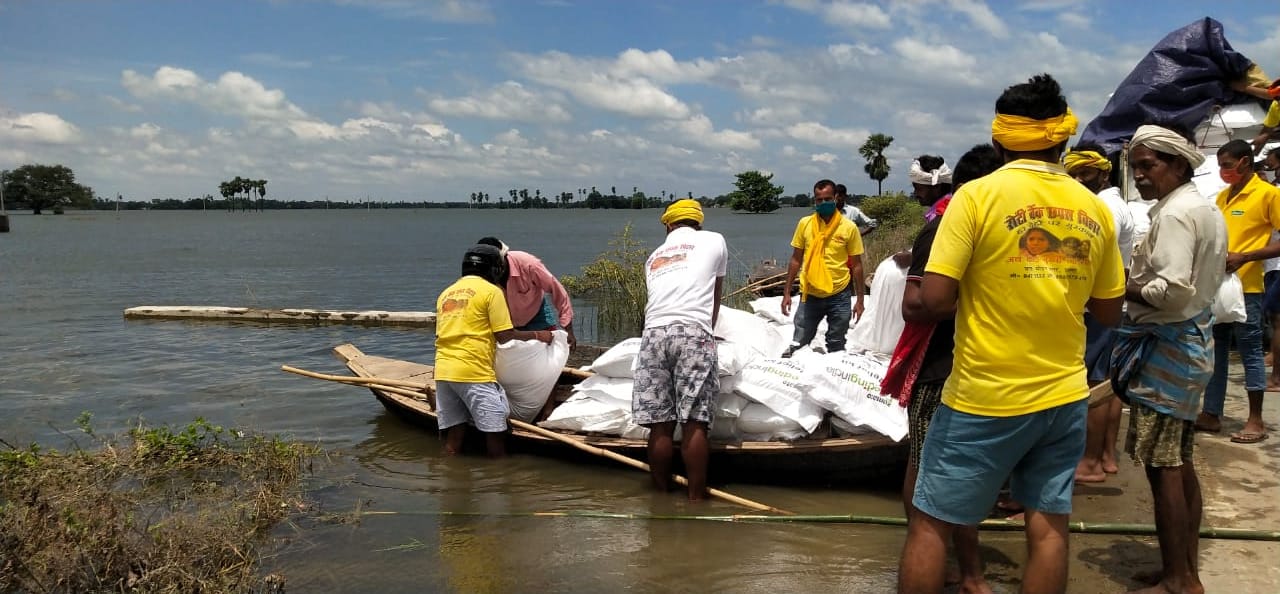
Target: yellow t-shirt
[845,243]
[1273,116]
[1251,216]
[1030,247]
[467,315]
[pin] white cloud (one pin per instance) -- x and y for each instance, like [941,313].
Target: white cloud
[38,127]
[275,61]
[1075,20]
[233,93]
[827,158]
[981,16]
[935,58]
[117,103]
[600,86]
[856,14]
[507,101]
[659,65]
[819,134]
[444,11]
[699,130]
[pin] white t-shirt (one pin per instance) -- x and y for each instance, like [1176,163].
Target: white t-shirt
[1271,264]
[1139,211]
[681,276]
[859,218]
[1124,222]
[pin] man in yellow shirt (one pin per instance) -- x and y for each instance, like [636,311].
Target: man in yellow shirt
[471,319]
[1015,403]
[827,246]
[1251,207]
[1272,119]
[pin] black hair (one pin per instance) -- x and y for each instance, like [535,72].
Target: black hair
[1040,98]
[823,183]
[930,162]
[1113,176]
[1236,149]
[840,190]
[1090,146]
[493,241]
[484,261]
[975,163]
[1275,152]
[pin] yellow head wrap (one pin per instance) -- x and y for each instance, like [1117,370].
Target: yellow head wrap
[1092,159]
[683,210]
[1022,134]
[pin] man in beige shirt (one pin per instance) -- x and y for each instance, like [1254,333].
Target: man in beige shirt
[1163,351]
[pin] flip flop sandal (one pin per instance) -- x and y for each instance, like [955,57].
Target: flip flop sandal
[1249,437]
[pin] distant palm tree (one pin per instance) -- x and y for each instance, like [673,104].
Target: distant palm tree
[877,166]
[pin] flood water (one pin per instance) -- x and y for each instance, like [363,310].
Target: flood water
[65,280]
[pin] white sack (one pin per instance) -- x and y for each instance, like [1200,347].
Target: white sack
[882,322]
[619,360]
[528,370]
[735,325]
[770,308]
[848,384]
[614,391]
[843,428]
[731,357]
[781,385]
[724,429]
[730,405]
[585,414]
[758,423]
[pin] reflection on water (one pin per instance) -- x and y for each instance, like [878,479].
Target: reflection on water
[64,282]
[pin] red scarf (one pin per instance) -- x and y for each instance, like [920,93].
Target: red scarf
[908,358]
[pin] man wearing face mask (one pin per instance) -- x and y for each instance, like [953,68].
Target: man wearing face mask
[1251,207]
[827,247]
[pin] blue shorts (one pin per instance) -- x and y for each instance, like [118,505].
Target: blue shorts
[484,404]
[967,457]
[1271,296]
[1099,341]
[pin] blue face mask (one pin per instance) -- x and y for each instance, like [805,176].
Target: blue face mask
[825,209]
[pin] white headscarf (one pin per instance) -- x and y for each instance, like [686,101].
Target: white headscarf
[1164,140]
[917,175]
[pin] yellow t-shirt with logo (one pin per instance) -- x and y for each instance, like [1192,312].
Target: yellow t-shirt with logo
[1251,216]
[1029,246]
[467,315]
[845,242]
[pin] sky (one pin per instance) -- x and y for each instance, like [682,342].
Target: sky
[433,100]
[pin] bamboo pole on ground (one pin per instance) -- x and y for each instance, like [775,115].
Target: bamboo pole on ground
[764,283]
[389,385]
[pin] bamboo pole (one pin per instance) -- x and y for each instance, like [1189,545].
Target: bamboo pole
[1118,529]
[764,283]
[387,385]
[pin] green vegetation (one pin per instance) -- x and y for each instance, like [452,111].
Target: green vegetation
[159,511]
[900,220]
[231,191]
[614,281]
[45,186]
[755,193]
[877,166]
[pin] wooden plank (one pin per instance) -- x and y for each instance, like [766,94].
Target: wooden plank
[293,316]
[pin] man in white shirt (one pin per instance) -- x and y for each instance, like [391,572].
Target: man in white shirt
[865,223]
[676,378]
[1088,164]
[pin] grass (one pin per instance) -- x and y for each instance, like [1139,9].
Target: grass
[158,510]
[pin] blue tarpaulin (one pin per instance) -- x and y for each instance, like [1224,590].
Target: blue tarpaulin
[1178,81]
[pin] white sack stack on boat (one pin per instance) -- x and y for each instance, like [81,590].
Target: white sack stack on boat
[528,370]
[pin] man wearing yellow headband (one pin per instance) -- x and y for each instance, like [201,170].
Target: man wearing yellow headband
[676,377]
[1014,405]
[1088,164]
[827,254]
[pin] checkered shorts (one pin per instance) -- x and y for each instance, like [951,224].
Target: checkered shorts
[676,375]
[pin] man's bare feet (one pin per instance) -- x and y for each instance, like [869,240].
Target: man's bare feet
[975,585]
[1109,465]
[1090,471]
[1273,385]
[1166,588]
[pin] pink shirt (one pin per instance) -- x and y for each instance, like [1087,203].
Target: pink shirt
[529,281]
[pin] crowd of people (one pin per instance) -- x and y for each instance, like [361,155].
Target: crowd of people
[1038,303]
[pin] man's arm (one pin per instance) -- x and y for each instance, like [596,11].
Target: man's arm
[1107,312]
[1261,139]
[559,299]
[715,308]
[793,268]
[509,335]
[859,288]
[938,297]
[1237,259]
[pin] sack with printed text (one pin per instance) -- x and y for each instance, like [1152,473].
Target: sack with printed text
[782,386]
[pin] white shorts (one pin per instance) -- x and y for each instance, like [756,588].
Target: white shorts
[485,405]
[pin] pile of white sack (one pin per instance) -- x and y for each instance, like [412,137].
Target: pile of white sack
[763,397]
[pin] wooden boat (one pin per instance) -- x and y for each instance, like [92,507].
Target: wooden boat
[831,460]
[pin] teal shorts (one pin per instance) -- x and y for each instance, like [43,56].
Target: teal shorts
[967,458]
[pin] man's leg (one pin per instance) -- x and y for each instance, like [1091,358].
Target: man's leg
[1249,342]
[1089,469]
[806,325]
[1168,494]
[660,454]
[1215,394]
[1047,548]
[1273,383]
[970,561]
[924,555]
[1195,511]
[1111,436]
[496,444]
[695,452]
[839,312]
[452,415]
[453,439]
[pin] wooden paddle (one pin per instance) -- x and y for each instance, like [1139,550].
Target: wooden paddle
[389,385]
